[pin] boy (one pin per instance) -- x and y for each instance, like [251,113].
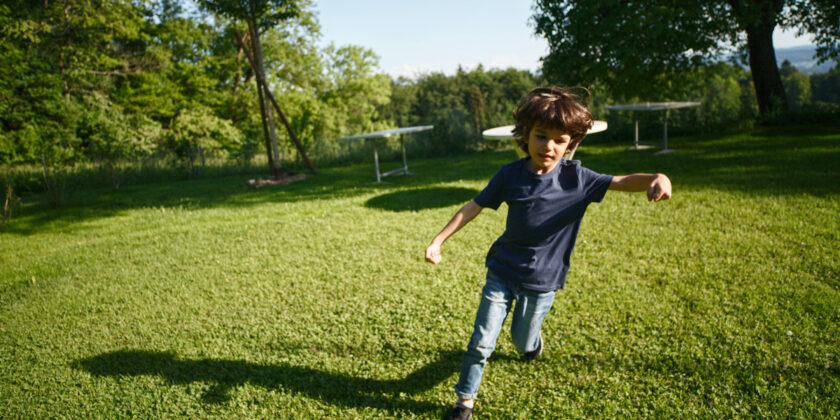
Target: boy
[547,196]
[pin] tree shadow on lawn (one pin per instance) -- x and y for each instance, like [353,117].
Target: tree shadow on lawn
[233,191]
[334,388]
[421,198]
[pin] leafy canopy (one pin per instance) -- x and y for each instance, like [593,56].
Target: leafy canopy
[265,13]
[632,47]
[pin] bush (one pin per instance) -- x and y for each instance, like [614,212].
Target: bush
[815,113]
[197,134]
[111,137]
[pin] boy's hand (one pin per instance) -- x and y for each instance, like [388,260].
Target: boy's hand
[433,253]
[461,218]
[660,188]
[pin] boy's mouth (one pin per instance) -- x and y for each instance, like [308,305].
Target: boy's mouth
[544,156]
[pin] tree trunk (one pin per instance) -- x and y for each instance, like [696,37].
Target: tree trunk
[265,107]
[758,19]
[266,135]
[7,206]
[765,72]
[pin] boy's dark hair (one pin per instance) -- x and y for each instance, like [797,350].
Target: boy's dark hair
[552,107]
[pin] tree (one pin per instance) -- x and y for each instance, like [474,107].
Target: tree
[176,48]
[56,54]
[112,137]
[353,91]
[260,15]
[197,131]
[826,86]
[459,106]
[634,47]
[797,86]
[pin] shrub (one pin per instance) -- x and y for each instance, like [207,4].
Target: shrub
[197,132]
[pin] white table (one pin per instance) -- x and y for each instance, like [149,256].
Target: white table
[385,134]
[652,106]
[506,133]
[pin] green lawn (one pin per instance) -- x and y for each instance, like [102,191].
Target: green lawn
[209,299]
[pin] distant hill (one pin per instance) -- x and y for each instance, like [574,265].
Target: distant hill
[802,58]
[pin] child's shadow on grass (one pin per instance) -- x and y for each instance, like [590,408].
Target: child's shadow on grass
[334,388]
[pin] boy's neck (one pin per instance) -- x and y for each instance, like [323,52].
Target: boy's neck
[529,164]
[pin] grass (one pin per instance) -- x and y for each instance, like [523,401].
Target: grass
[206,299]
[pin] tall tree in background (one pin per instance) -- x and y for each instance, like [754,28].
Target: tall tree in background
[259,15]
[630,46]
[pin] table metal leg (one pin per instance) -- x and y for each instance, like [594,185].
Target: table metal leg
[636,137]
[405,161]
[379,174]
[636,145]
[665,148]
[376,161]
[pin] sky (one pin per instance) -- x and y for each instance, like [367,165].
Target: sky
[417,37]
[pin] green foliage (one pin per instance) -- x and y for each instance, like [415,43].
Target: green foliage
[634,48]
[266,13]
[460,106]
[353,91]
[797,86]
[63,52]
[82,46]
[453,132]
[52,137]
[814,99]
[815,113]
[197,133]
[631,48]
[826,87]
[178,52]
[724,91]
[108,135]
[820,18]
[726,95]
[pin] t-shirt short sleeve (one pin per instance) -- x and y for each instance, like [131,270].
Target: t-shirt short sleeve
[493,194]
[596,184]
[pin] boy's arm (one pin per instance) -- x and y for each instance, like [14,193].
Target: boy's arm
[461,218]
[658,186]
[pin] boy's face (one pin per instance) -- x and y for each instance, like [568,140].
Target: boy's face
[546,146]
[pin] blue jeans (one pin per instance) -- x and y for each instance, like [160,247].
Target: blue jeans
[496,300]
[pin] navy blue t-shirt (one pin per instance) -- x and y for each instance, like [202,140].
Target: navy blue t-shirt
[544,215]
